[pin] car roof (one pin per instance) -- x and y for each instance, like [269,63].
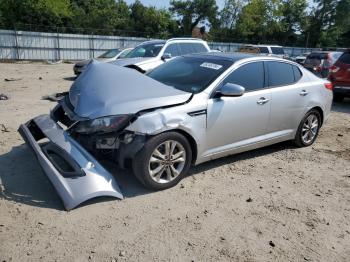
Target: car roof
[233,57]
[154,42]
[184,39]
[250,45]
[325,52]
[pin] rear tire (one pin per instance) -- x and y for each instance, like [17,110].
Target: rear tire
[163,161]
[308,129]
[338,98]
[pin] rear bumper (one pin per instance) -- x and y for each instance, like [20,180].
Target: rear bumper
[76,175]
[343,90]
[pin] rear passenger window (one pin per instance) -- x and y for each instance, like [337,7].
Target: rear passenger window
[263,50]
[250,76]
[297,73]
[280,74]
[277,50]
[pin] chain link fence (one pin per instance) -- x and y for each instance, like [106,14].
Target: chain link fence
[30,45]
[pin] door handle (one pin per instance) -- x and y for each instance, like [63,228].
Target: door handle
[262,101]
[303,93]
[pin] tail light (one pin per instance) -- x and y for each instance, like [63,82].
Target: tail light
[328,85]
[334,69]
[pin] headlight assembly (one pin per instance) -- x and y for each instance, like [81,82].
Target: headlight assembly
[103,125]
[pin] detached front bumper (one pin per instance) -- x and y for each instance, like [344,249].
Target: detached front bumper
[76,175]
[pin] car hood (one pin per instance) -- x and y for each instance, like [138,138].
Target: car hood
[87,61]
[134,61]
[104,89]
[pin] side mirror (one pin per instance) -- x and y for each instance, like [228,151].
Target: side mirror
[230,89]
[166,56]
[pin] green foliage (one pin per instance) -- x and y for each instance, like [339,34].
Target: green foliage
[293,19]
[192,12]
[256,22]
[150,21]
[284,22]
[40,12]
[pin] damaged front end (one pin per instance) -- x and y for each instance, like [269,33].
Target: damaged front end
[76,175]
[68,148]
[89,123]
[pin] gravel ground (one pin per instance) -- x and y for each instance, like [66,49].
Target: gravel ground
[278,203]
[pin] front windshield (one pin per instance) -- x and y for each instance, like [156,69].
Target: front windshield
[124,53]
[146,50]
[110,53]
[190,74]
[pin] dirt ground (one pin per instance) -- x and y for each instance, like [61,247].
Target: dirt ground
[278,203]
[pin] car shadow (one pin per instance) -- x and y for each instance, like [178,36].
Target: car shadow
[342,107]
[241,156]
[70,78]
[22,180]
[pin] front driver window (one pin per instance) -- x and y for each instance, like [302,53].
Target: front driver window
[250,76]
[172,50]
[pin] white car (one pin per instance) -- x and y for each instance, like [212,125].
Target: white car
[272,50]
[110,55]
[151,54]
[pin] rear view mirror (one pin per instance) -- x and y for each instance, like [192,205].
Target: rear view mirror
[166,56]
[230,89]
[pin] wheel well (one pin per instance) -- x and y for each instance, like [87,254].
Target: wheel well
[192,142]
[319,109]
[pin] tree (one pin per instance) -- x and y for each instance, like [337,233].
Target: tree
[44,13]
[292,20]
[149,21]
[256,23]
[229,13]
[320,21]
[101,16]
[342,22]
[192,12]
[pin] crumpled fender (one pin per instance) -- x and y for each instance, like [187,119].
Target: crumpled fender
[190,118]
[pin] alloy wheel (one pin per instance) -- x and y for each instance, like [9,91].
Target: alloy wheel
[167,161]
[309,129]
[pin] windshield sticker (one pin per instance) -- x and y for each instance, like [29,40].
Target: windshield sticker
[211,66]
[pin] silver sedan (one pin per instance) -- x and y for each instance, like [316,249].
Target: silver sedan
[187,111]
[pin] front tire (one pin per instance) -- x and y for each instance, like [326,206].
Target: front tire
[163,161]
[308,129]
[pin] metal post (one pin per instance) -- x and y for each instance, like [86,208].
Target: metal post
[91,46]
[16,43]
[58,45]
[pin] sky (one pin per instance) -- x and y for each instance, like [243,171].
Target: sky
[165,3]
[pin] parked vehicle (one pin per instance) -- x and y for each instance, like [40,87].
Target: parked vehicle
[273,50]
[340,77]
[300,59]
[320,62]
[108,56]
[187,111]
[151,54]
